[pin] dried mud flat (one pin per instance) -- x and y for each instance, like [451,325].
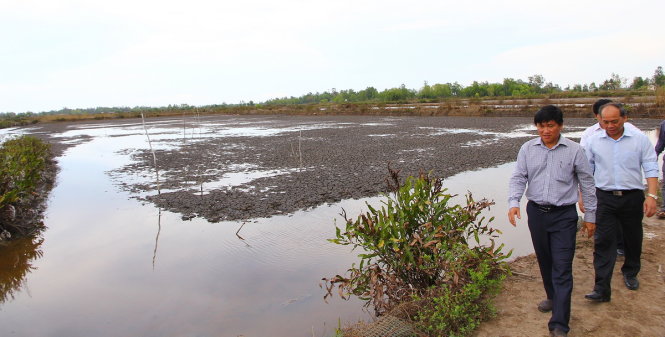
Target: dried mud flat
[301,161]
[629,313]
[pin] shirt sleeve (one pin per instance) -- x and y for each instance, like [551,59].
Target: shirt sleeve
[649,159]
[587,186]
[518,180]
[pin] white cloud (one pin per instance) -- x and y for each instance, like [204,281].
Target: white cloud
[593,59]
[81,53]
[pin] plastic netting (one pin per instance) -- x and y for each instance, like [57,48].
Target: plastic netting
[387,326]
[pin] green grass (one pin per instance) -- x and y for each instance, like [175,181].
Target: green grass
[23,161]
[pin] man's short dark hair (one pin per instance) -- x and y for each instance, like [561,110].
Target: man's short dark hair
[548,113]
[599,103]
[622,110]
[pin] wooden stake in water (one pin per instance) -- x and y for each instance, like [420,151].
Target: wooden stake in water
[184,139]
[154,156]
[299,150]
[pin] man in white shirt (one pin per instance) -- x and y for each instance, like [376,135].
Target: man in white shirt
[596,129]
[620,159]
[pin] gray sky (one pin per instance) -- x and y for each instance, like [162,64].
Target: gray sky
[87,53]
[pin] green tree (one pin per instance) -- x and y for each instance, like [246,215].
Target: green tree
[659,77]
[613,83]
[426,92]
[639,83]
[442,90]
[537,82]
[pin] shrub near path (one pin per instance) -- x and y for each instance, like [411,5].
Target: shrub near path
[639,313]
[422,252]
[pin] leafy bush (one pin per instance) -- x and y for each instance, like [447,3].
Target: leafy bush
[419,247]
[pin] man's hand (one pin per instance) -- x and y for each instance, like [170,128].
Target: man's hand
[589,228]
[650,206]
[512,212]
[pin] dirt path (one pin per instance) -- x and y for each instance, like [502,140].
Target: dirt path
[630,313]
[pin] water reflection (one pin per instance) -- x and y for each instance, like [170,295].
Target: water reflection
[18,257]
[159,230]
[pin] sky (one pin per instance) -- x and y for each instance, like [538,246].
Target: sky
[58,54]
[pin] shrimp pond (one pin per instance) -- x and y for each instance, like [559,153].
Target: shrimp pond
[226,234]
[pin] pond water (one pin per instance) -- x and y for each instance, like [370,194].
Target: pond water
[111,265]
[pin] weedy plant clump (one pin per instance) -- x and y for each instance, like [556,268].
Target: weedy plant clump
[26,175]
[424,253]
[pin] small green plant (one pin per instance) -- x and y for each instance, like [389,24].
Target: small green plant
[418,244]
[457,311]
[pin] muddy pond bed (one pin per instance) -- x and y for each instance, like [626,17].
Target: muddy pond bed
[137,251]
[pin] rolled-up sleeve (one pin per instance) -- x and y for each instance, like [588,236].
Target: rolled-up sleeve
[649,160]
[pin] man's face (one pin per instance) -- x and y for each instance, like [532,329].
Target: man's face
[549,131]
[612,121]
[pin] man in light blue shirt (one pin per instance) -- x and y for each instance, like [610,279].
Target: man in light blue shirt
[618,156]
[552,169]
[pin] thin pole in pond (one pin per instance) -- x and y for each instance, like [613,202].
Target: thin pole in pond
[238,231]
[184,138]
[154,156]
[299,150]
[198,167]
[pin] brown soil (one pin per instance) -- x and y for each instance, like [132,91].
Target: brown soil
[630,313]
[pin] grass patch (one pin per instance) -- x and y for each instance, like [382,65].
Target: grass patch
[24,162]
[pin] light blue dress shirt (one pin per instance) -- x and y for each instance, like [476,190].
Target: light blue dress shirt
[618,164]
[553,176]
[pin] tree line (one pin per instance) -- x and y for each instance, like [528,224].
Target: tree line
[535,86]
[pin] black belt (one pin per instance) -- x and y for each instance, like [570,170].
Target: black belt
[550,208]
[619,193]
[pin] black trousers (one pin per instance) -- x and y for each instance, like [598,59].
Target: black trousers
[615,212]
[553,236]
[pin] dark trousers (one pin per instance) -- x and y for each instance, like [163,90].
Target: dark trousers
[615,212]
[553,236]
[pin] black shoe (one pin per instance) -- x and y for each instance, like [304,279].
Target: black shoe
[597,297]
[631,282]
[620,252]
[558,333]
[545,305]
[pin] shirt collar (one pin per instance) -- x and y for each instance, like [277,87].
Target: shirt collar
[626,132]
[562,141]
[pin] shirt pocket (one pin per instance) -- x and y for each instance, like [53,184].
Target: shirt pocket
[563,171]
